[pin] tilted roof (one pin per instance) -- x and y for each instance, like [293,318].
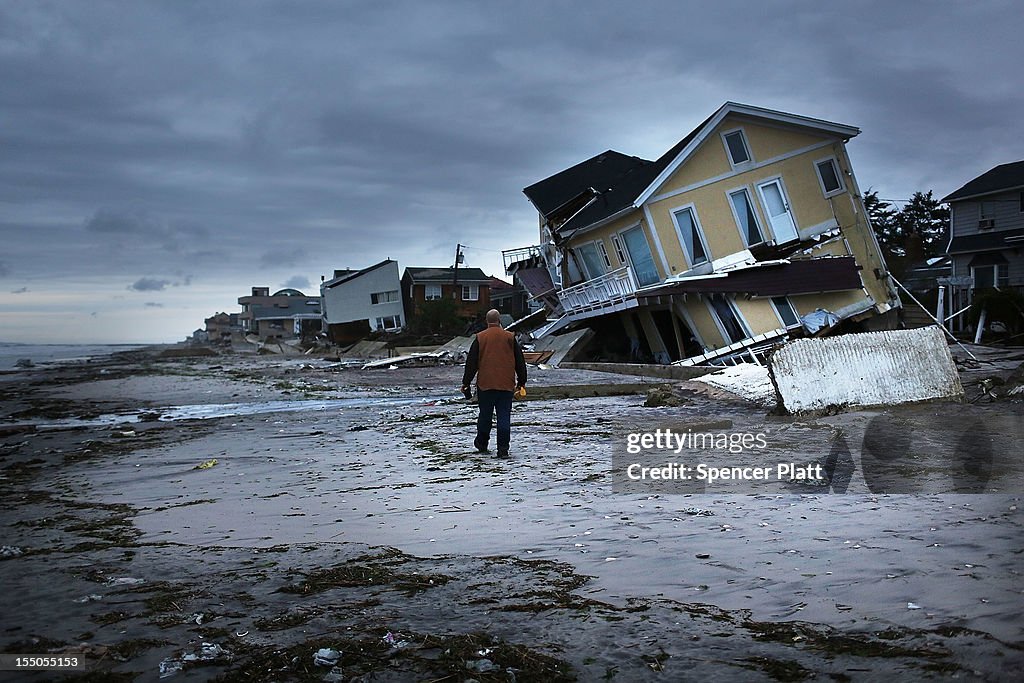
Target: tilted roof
[612,182]
[353,274]
[999,179]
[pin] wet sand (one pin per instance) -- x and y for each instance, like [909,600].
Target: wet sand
[365,512]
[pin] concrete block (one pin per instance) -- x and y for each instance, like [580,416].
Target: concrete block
[869,369]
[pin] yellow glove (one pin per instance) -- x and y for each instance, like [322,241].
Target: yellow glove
[520,392]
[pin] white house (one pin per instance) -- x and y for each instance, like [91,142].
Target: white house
[356,302]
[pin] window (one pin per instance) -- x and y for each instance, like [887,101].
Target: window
[787,314]
[432,292]
[618,250]
[592,261]
[604,254]
[470,292]
[391,322]
[986,215]
[736,145]
[743,209]
[730,322]
[988,277]
[828,175]
[640,256]
[384,297]
[690,236]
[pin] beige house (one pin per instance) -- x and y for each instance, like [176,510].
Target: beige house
[749,230]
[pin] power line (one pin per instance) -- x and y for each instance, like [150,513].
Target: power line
[466,246]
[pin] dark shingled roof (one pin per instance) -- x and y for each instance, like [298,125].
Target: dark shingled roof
[599,172]
[347,275]
[1002,177]
[446,275]
[618,180]
[985,241]
[809,276]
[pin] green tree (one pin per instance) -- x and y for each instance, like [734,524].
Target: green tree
[911,234]
[438,316]
[922,224]
[881,215]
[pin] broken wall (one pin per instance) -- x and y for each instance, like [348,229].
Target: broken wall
[873,368]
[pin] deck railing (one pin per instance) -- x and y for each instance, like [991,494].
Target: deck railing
[607,290]
[511,256]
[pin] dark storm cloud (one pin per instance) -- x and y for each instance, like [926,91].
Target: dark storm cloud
[300,282]
[233,137]
[148,284]
[284,257]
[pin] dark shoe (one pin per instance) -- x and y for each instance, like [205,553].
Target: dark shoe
[502,454]
[479,448]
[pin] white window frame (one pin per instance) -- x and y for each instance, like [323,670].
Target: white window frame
[578,250]
[397,319]
[474,292]
[778,313]
[746,147]
[839,176]
[744,327]
[753,208]
[432,292]
[620,243]
[700,235]
[619,251]
[762,205]
[604,254]
[999,271]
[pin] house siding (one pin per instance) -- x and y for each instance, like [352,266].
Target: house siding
[705,181]
[465,309]
[350,300]
[1007,214]
[809,206]
[964,217]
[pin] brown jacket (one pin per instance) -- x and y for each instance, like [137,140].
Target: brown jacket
[498,359]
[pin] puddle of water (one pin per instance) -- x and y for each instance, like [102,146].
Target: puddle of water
[210,411]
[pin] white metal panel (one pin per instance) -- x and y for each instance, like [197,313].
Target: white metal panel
[873,368]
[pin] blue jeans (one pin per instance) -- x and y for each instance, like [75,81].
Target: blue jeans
[491,400]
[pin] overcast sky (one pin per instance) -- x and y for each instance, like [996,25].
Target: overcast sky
[158,159]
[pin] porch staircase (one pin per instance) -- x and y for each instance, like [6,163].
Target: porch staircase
[752,350]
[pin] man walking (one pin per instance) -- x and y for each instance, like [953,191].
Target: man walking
[498,361]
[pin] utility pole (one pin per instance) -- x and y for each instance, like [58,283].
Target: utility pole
[458,260]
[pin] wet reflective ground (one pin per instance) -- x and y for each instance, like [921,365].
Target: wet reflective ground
[335,526]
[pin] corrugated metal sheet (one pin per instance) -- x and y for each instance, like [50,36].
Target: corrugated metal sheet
[874,368]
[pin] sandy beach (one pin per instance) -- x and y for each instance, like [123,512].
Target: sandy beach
[241,517]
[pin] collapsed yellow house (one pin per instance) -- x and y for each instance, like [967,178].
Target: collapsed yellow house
[749,230]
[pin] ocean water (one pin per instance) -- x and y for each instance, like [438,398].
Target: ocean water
[44,354]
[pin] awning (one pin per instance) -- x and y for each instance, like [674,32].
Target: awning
[808,276]
[986,241]
[988,258]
